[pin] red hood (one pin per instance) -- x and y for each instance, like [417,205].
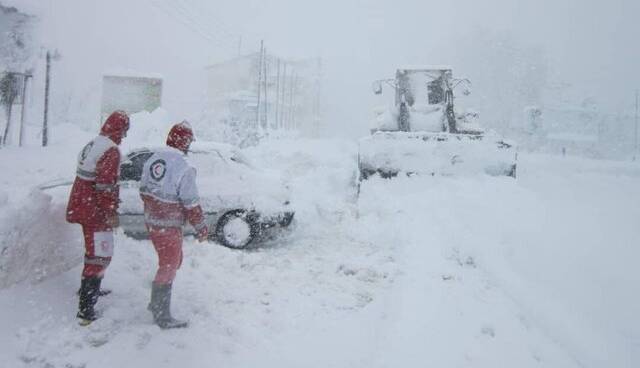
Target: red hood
[180,136]
[116,126]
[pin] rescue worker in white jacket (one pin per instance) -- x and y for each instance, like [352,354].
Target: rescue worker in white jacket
[170,195]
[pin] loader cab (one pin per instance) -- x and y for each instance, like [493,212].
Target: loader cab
[423,101]
[423,135]
[422,86]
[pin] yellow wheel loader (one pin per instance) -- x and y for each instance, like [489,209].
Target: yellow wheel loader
[423,133]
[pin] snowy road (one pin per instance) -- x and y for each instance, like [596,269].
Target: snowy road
[450,272]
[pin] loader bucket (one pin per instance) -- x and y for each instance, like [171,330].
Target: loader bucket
[389,154]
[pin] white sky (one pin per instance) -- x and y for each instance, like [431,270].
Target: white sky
[593,45]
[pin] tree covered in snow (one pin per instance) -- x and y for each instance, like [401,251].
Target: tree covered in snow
[16,42]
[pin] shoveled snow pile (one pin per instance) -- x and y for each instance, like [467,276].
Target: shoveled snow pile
[35,240]
[147,129]
[476,271]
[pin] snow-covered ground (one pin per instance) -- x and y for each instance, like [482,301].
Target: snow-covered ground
[437,271]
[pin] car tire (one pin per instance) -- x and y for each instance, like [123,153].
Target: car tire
[236,229]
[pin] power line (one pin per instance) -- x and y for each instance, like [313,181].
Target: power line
[189,26]
[211,18]
[203,26]
[218,23]
[194,23]
[167,12]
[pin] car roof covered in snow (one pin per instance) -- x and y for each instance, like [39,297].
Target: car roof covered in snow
[226,151]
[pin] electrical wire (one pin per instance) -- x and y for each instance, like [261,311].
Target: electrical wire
[167,11]
[211,18]
[215,21]
[178,7]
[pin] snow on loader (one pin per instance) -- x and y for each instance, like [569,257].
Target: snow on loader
[423,134]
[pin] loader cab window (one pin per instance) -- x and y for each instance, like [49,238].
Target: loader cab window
[436,92]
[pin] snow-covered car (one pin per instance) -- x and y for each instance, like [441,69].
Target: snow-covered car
[242,203]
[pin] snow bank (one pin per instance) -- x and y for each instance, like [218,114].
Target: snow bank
[35,240]
[147,129]
[436,271]
[545,255]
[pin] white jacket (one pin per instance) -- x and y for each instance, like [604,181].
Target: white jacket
[168,188]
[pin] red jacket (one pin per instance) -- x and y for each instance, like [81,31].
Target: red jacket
[95,193]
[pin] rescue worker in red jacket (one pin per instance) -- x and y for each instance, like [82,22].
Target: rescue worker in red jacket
[93,203]
[168,190]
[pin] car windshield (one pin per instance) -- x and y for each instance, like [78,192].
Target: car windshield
[131,168]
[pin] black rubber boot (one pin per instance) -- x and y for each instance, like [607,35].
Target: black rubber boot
[104,292]
[88,297]
[101,292]
[160,306]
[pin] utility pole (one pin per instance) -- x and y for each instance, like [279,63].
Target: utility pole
[23,109]
[240,46]
[316,107]
[284,88]
[46,100]
[259,84]
[635,137]
[294,77]
[266,97]
[277,91]
[296,86]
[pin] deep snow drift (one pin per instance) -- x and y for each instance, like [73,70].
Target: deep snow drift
[436,271]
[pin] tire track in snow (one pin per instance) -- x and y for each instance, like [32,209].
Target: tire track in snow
[443,311]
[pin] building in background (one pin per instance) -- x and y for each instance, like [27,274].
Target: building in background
[580,130]
[130,92]
[260,94]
